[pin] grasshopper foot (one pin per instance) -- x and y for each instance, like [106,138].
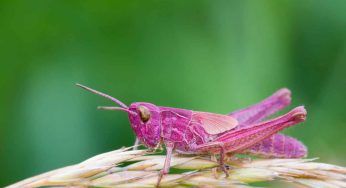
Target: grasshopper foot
[223,166]
[214,170]
[225,169]
[161,174]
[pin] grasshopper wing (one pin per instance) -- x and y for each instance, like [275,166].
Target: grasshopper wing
[214,123]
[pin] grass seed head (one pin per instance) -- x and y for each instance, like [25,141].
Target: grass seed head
[127,168]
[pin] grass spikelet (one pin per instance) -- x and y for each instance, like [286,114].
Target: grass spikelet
[127,168]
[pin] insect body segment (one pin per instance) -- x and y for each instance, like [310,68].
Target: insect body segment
[278,146]
[175,123]
[145,122]
[179,127]
[193,132]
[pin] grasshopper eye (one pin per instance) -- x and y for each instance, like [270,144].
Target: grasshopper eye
[144,113]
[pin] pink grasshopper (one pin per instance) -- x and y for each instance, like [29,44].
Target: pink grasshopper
[194,132]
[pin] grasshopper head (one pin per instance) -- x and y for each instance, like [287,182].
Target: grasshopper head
[145,121]
[144,118]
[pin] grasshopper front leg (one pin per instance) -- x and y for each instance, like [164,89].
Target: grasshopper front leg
[135,145]
[167,164]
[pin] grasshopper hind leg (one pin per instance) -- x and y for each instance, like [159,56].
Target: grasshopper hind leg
[223,166]
[214,170]
[220,148]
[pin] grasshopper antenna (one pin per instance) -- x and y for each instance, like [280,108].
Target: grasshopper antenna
[115,108]
[103,95]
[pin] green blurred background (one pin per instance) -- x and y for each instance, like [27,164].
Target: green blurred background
[212,56]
